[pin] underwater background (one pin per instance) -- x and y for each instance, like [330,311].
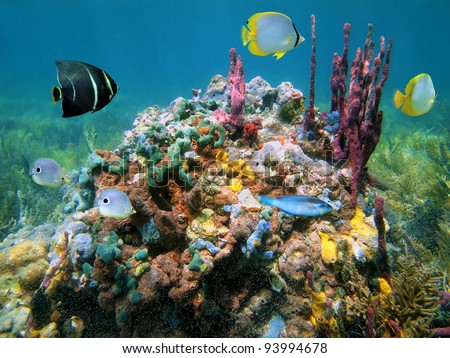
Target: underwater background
[157,51]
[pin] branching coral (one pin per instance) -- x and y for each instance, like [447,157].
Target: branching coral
[360,120]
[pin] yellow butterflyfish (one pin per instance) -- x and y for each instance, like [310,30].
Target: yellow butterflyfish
[419,96]
[269,33]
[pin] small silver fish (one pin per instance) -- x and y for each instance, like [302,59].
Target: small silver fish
[300,205]
[47,172]
[114,203]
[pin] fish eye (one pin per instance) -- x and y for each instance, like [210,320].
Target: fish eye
[38,169]
[105,201]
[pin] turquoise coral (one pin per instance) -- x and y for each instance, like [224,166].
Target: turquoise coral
[108,249]
[254,242]
[202,244]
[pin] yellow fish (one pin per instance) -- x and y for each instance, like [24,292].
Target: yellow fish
[419,96]
[269,33]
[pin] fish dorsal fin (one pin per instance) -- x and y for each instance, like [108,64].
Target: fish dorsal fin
[294,197]
[411,84]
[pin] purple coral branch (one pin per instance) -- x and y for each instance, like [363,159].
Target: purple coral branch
[339,75]
[444,299]
[309,114]
[360,121]
[371,333]
[382,254]
[396,329]
[236,85]
[310,279]
[442,332]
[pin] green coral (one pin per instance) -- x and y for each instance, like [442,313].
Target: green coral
[157,173]
[185,109]
[208,138]
[197,263]
[118,167]
[443,243]
[291,111]
[87,270]
[141,255]
[108,249]
[157,132]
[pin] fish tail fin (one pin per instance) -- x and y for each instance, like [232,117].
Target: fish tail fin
[56,94]
[399,99]
[246,35]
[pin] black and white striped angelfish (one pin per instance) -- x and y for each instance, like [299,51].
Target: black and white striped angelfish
[84,88]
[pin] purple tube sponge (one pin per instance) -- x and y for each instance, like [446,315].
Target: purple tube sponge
[236,84]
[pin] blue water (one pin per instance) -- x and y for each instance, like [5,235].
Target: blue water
[158,50]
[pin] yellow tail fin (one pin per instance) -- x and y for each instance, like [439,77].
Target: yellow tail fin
[399,99]
[245,36]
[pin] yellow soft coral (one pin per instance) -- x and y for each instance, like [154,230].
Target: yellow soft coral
[318,300]
[234,168]
[222,158]
[236,185]
[202,226]
[329,250]
[361,227]
[385,290]
[363,233]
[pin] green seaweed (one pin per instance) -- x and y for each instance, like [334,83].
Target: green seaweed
[414,304]
[291,112]
[416,173]
[68,142]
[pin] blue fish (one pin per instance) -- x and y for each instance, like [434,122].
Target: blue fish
[298,205]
